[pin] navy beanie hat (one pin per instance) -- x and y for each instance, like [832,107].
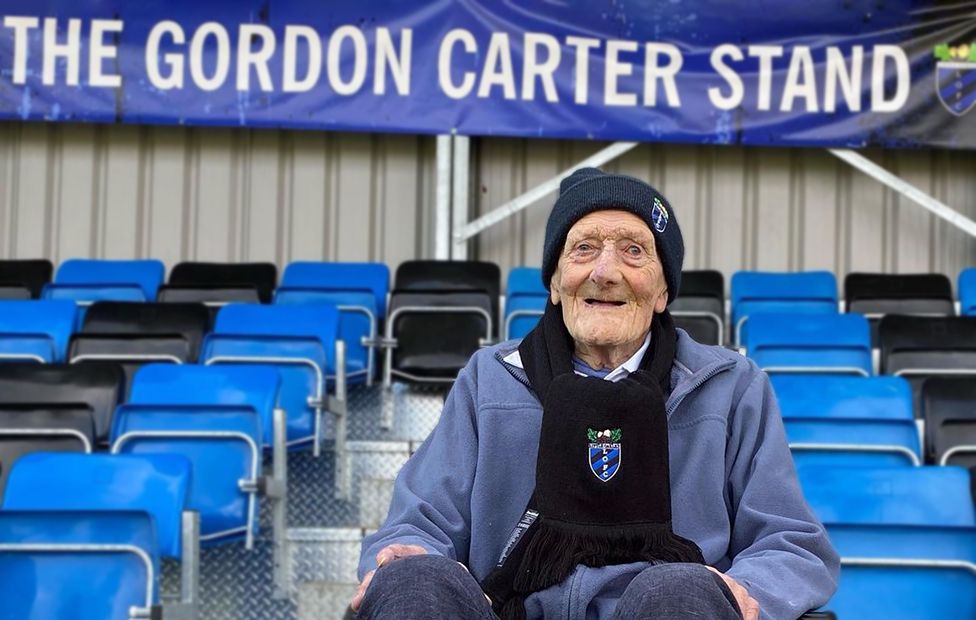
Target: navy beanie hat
[590,189]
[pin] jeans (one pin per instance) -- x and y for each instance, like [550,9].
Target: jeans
[429,586]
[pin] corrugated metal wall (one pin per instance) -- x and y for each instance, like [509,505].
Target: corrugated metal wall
[755,208]
[213,194]
[238,195]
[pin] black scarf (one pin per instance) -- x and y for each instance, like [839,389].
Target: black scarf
[602,493]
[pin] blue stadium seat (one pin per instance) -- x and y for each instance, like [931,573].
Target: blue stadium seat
[926,495]
[967,291]
[810,292]
[87,280]
[525,301]
[254,386]
[906,537]
[49,567]
[817,343]
[36,330]
[853,421]
[358,289]
[101,490]
[301,342]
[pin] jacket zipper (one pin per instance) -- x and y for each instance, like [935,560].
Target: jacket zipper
[698,383]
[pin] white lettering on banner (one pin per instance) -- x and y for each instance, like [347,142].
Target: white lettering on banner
[583,46]
[654,72]
[222,52]
[615,69]
[100,52]
[386,56]
[883,53]
[736,90]
[765,54]
[532,68]
[70,51]
[452,90]
[498,67]
[359,60]
[20,26]
[290,82]
[838,75]
[174,61]
[247,57]
[801,65]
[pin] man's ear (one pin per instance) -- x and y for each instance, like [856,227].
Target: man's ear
[554,288]
[661,303]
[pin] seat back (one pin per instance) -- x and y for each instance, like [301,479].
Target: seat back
[42,428]
[525,301]
[145,275]
[898,572]
[28,276]
[253,386]
[855,421]
[949,411]
[446,276]
[700,306]
[223,444]
[262,277]
[838,343]
[304,333]
[877,294]
[156,484]
[36,329]
[433,347]
[892,495]
[96,386]
[142,322]
[967,291]
[810,292]
[55,564]
[340,278]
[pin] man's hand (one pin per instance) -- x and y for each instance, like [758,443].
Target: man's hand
[385,556]
[747,605]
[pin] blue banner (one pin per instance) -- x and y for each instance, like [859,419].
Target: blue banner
[897,73]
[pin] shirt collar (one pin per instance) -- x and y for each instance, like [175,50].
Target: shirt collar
[618,373]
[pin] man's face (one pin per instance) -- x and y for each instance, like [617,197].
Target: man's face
[609,280]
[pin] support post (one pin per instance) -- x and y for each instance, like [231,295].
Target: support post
[459,205]
[442,211]
[279,514]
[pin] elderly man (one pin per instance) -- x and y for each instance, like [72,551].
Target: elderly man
[607,465]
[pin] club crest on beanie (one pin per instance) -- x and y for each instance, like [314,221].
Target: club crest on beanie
[590,189]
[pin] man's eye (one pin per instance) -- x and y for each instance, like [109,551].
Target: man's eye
[584,247]
[635,250]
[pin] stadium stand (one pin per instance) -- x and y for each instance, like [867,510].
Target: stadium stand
[877,294]
[82,536]
[949,411]
[851,421]
[36,330]
[967,292]
[525,301]
[810,343]
[810,292]
[89,280]
[700,306]
[359,291]
[216,284]
[24,279]
[920,347]
[906,537]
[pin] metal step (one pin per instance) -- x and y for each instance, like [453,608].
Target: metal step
[327,554]
[324,601]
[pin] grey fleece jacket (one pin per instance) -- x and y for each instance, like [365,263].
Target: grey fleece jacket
[734,488]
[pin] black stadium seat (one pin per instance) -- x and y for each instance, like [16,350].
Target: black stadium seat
[219,283]
[949,410]
[700,306]
[876,294]
[43,428]
[435,275]
[917,347]
[95,386]
[24,279]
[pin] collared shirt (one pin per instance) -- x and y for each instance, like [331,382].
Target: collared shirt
[618,373]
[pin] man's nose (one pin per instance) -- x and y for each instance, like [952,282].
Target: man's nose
[606,267]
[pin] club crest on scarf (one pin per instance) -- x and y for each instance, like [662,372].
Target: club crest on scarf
[604,452]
